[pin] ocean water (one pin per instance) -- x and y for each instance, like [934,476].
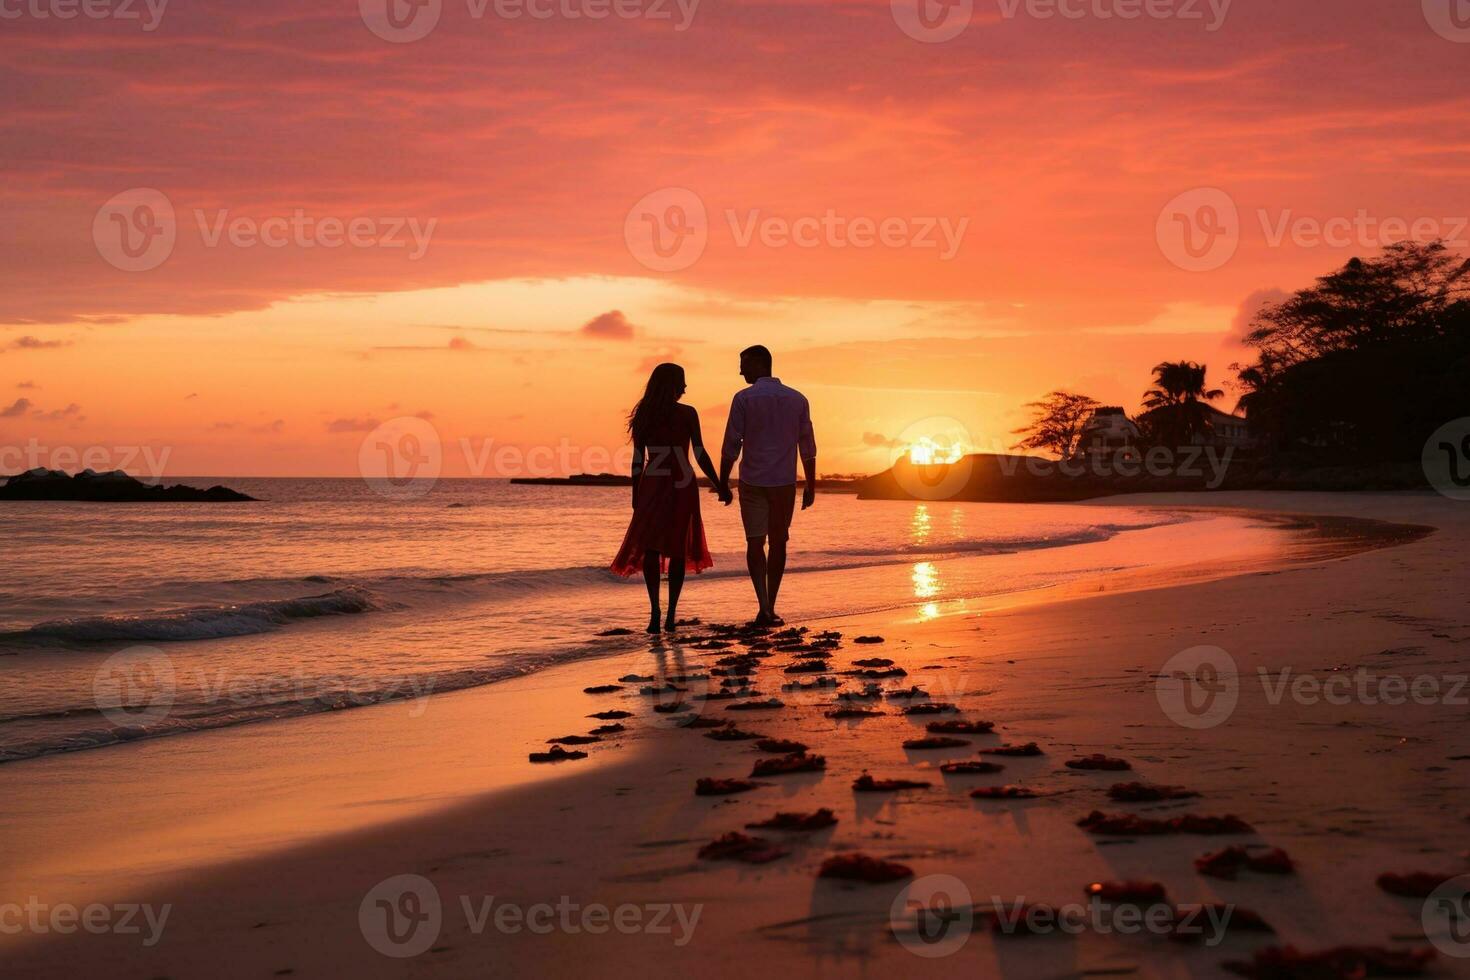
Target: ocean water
[125,621]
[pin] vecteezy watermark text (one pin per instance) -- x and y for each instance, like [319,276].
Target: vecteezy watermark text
[62,918]
[1201,230]
[403,916]
[406,21]
[138,230]
[146,462]
[148,13]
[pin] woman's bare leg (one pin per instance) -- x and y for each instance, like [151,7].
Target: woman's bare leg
[650,579]
[676,585]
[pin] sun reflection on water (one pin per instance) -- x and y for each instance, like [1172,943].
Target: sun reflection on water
[922,524]
[926,580]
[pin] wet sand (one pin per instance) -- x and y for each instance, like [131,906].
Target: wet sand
[270,862]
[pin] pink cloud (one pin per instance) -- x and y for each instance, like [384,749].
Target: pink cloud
[612,325]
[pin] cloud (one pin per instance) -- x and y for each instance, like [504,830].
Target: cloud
[36,343]
[1249,307]
[222,426]
[60,413]
[270,428]
[20,407]
[612,325]
[880,441]
[654,360]
[352,425]
[461,343]
[27,385]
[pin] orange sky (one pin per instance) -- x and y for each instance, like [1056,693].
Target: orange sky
[499,176]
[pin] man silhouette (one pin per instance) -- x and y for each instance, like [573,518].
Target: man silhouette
[769,423]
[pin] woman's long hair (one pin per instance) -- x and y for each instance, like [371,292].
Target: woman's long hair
[665,385]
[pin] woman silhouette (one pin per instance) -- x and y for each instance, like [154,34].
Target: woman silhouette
[666,532]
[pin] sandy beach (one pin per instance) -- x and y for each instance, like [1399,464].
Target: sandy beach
[279,848]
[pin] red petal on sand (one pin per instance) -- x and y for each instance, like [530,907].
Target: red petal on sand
[1416,884]
[853,713]
[1196,923]
[1127,824]
[608,729]
[1147,793]
[1098,761]
[1127,892]
[934,708]
[1222,864]
[768,705]
[733,735]
[722,787]
[670,709]
[868,639]
[798,821]
[971,768]
[736,846]
[807,667]
[705,723]
[602,689]
[867,784]
[1030,748]
[782,746]
[1228,824]
[557,754]
[796,762]
[1003,793]
[1272,862]
[1289,963]
[873,662]
[861,867]
[936,742]
[610,715]
[573,740]
[960,727]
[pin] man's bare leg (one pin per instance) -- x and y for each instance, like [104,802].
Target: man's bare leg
[775,568]
[755,562]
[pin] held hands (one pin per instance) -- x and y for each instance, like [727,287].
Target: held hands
[722,491]
[808,496]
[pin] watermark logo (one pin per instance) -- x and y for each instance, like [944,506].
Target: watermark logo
[148,13]
[932,21]
[136,231]
[1446,459]
[401,916]
[1199,687]
[135,687]
[402,458]
[933,916]
[932,458]
[1450,19]
[1446,917]
[667,230]
[401,21]
[1199,231]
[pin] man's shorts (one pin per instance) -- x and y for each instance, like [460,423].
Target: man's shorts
[766,511]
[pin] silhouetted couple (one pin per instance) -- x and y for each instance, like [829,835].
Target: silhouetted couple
[769,426]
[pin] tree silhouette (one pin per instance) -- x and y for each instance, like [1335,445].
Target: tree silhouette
[1176,409]
[1370,360]
[1056,423]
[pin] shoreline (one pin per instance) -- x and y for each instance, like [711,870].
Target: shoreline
[1338,537]
[1028,666]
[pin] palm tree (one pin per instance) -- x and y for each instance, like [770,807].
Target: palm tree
[1176,402]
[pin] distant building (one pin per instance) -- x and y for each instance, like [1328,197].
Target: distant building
[1222,429]
[1108,432]
[1227,430]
